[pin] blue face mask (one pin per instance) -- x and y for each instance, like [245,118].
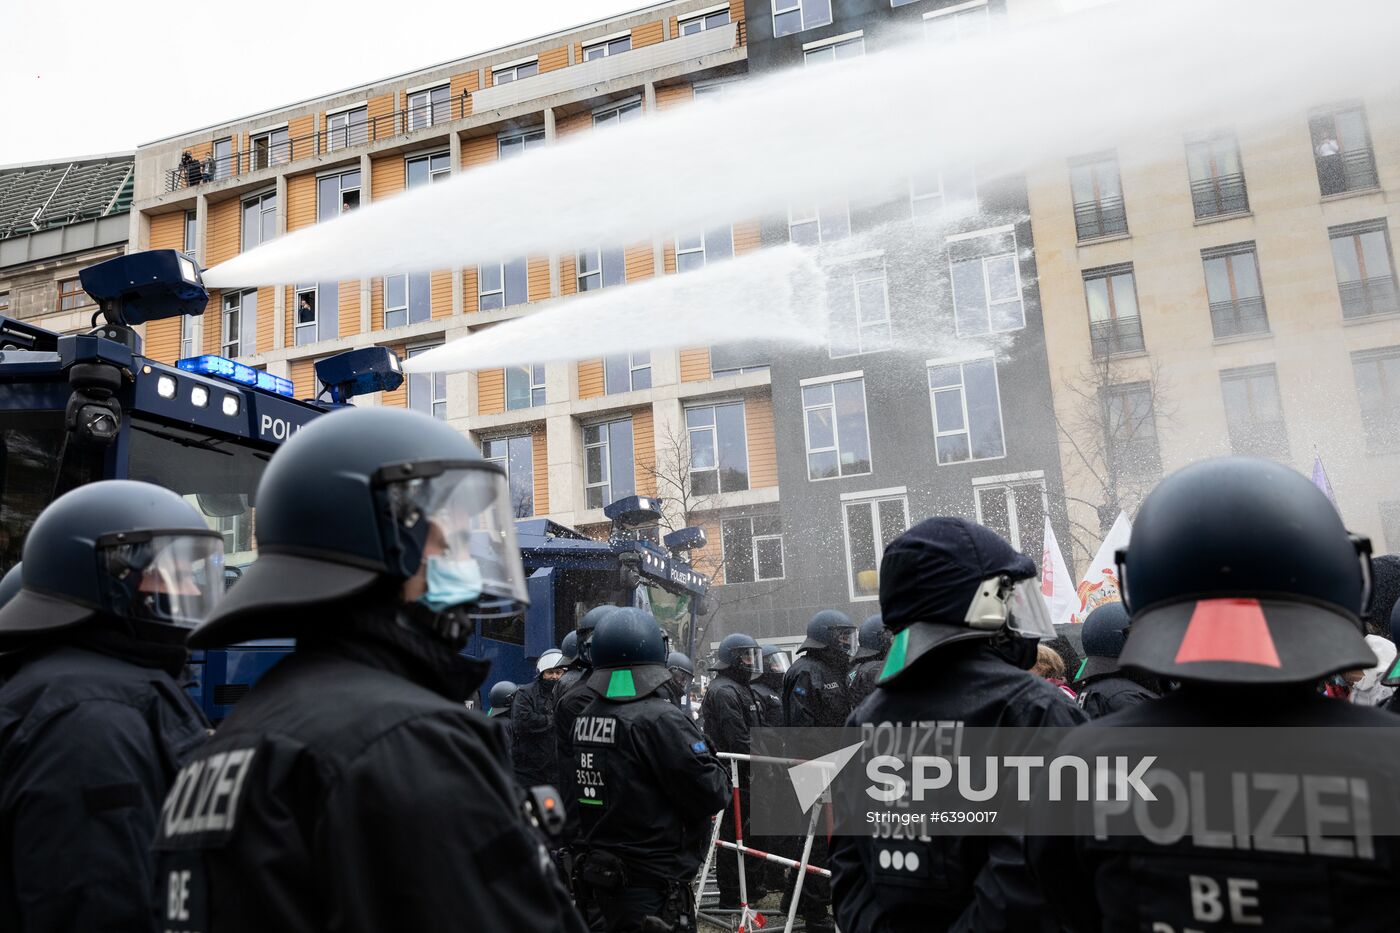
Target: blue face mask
[451,583]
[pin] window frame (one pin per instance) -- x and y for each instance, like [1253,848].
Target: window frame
[1246,376]
[82,298]
[816,218]
[1377,441]
[606,445]
[814,53]
[533,385]
[864,275]
[314,324]
[273,146]
[1092,164]
[505,463]
[529,140]
[1228,255]
[1354,232]
[223,164]
[433,379]
[434,175]
[621,110]
[605,46]
[347,114]
[833,381]
[961,362]
[985,259]
[753,539]
[519,267]
[513,69]
[704,249]
[1107,274]
[261,199]
[580,275]
[1007,485]
[703,17]
[955,13]
[232,347]
[1214,144]
[713,428]
[871,500]
[1124,391]
[801,7]
[436,111]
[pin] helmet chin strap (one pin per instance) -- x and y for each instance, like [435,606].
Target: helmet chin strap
[453,627]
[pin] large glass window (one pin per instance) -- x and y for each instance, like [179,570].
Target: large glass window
[1098,197]
[223,159]
[188,338]
[408,299]
[810,226]
[191,233]
[347,128]
[240,323]
[502,284]
[1377,374]
[524,386]
[429,107]
[701,21]
[1131,430]
[623,113]
[966,411]
[71,296]
[1365,273]
[626,372]
[838,436]
[955,23]
[427,392]
[1342,148]
[832,52]
[1254,412]
[1217,180]
[607,47]
[1014,507]
[790,16]
[1115,327]
[986,284]
[870,525]
[428,169]
[599,268]
[508,73]
[515,455]
[753,548]
[259,220]
[694,250]
[517,144]
[609,473]
[931,192]
[1235,293]
[271,148]
[859,310]
[719,452]
[337,194]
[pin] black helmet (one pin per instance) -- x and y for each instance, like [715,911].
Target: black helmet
[586,625]
[678,661]
[10,584]
[776,660]
[740,655]
[500,697]
[830,630]
[629,655]
[569,649]
[363,495]
[1240,571]
[874,639]
[1102,637]
[948,580]
[121,549]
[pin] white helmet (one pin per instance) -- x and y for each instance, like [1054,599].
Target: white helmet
[550,660]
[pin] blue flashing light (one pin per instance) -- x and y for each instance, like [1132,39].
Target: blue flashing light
[221,368]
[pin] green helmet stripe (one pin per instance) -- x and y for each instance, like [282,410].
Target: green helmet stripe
[621,685]
[899,648]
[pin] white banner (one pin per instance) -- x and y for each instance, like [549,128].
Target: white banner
[1100,583]
[1055,582]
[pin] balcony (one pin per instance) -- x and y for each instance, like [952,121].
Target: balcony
[1116,337]
[1220,195]
[608,68]
[1102,218]
[1353,170]
[1239,317]
[1366,297]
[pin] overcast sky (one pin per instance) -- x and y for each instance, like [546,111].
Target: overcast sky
[79,77]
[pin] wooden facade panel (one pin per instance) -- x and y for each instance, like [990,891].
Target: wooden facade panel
[673,95]
[469,82]
[539,456]
[695,364]
[304,377]
[763,450]
[301,201]
[386,177]
[442,294]
[267,301]
[380,111]
[709,560]
[213,318]
[399,397]
[349,310]
[590,379]
[668,257]
[289,302]
[480,150]
[168,230]
[647,34]
[471,297]
[162,341]
[573,124]
[554,59]
[202,151]
[568,274]
[736,11]
[644,450]
[537,278]
[491,392]
[747,238]
[640,261]
[299,129]
[376,304]
[223,232]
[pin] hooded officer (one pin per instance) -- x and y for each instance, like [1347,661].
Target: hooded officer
[1103,686]
[93,727]
[568,647]
[352,788]
[814,688]
[682,676]
[571,700]
[967,619]
[647,783]
[1243,585]
[874,640]
[500,697]
[532,722]
[730,711]
[769,685]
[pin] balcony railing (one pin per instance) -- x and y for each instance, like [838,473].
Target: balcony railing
[1365,297]
[1117,336]
[1101,218]
[1223,194]
[1239,317]
[1353,170]
[190,173]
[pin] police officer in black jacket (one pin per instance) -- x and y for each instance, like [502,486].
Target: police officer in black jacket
[532,723]
[501,698]
[93,727]
[730,711]
[352,789]
[1104,687]
[1243,585]
[769,685]
[814,688]
[647,783]
[571,701]
[967,619]
[874,644]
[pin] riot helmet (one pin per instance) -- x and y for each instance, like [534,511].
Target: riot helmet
[1240,571]
[831,630]
[551,660]
[501,695]
[586,626]
[1102,636]
[874,639]
[568,647]
[366,498]
[10,583]
[118,550]
[629,655]
[741,656]
[776,660]
[682,671]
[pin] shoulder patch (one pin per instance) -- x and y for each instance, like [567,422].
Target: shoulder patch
[800,691]
[698,748]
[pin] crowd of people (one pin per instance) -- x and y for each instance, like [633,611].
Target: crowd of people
[353,789]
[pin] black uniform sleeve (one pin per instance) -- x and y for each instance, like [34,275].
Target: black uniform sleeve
[852,895]
[726,720]
[694,780]
[799,700]
[530,714]
[83,800]
[424,833]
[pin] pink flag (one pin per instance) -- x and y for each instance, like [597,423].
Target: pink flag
[1319,478]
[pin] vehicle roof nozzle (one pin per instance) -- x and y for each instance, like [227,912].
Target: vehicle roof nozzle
[359,372]
[148,286]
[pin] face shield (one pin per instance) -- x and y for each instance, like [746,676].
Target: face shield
[848,641]
[170,577]
[777,663]
[749,661]
[682,679]
[1016,606]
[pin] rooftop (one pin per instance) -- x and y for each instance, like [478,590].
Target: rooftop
[41,196]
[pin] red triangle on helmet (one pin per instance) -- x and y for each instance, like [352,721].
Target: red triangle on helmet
[1228,630]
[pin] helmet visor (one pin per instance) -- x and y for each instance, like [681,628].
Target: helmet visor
[848,640]
[749,660]
[777,663]
[173,578]
[1029,616]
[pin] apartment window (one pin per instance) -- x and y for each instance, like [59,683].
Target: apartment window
[429,107]
[753,548]
[1254,412]
[240,323]
[1365,272]
[1131,430]
[955,23]
[859,310]
[223,159]
[524,386]
[1014,507]
[791,16]
[306,314]
[518,144]
[605,47]
[626,372]
[408,299]
[1342,148]
[699,22]
[188,337]
[719,448]
[930,193]
[501,284]
[870,525]
[966,410]
[337,194]
[71,296]
[1098,197]
[428,170]
[347,128]
[515,455]
[259,220]
[809,226]
[712,88]
[694,250]
[1115,327]
[1234,291]
[609,474]
[837,433]
[1377,374]
[844,50]
[613,116]
[1217,180]
[271,148]
[733,359]
[427,392]
[599,268]
[237,532]
[191,229]
[986,283]
[509,73]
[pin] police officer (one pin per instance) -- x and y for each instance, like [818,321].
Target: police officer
[814,688]
[93,727]
[572,700]
[1104,687]
[730,710]
[532,722]
[967,620]
[874,645]
[573,667]
[352,788]
[501,696]
[682,676]
[647,782]
[1243,585]
[769,685]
